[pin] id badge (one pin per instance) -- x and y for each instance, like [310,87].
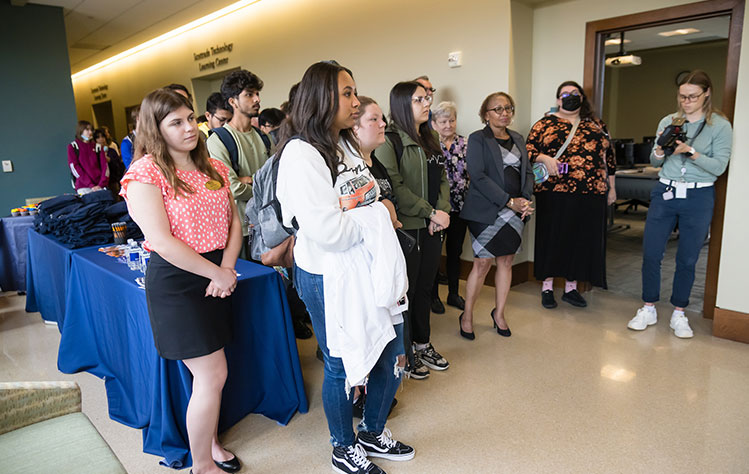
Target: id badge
[681,190]
[668,195]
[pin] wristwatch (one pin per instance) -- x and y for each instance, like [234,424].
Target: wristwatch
[691,151]
[511,203]
[432,214]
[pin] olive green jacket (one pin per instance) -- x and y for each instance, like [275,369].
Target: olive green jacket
[410,181]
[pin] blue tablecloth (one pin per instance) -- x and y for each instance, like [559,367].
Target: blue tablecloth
[106,331]
[13,244]
[47,267]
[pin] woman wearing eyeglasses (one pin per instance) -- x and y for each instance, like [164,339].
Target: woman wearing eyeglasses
[497,202]
[571,204]
[413,158]
[685,196]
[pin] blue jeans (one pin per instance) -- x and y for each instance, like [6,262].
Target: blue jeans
[693,216]
[384,378]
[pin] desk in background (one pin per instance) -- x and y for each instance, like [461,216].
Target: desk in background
[13,245]
[106,331]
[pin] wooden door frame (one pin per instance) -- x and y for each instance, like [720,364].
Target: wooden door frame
[595,32]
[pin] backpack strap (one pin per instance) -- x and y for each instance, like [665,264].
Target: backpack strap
[264,137]
[395,139]
[231,146]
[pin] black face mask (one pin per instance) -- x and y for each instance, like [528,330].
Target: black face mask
[571,102]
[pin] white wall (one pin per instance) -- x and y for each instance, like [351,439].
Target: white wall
[734,258]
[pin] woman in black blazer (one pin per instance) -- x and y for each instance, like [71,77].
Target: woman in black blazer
[496,205]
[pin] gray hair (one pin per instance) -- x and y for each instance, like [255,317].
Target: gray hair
[445,109]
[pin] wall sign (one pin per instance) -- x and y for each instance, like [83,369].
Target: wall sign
[100,92]
[211,54]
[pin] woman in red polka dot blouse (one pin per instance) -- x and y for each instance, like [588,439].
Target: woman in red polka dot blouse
[180,199]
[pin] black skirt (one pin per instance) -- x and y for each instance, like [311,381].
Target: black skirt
[570,237]
[185,323]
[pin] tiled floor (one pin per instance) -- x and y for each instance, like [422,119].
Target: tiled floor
[572,391]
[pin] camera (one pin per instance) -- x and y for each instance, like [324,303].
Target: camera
[675,131]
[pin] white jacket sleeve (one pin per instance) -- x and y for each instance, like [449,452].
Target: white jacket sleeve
[305,191]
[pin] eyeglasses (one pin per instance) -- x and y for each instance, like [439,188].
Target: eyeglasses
[690,98]
[507,108]
[567,94]
[423,99]
[431,89]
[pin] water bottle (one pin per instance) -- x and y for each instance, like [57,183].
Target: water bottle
[145,256]
[133,255]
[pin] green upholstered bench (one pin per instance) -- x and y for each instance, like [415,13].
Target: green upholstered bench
[42,429]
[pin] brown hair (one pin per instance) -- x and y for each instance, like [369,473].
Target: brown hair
[485,104]
[82,126]
[157,105]
[702,80]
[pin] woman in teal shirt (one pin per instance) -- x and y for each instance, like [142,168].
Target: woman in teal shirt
[685,196]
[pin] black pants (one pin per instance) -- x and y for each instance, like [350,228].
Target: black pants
[454,237]
[422,265]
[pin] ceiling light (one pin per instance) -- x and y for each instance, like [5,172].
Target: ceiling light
[679,32]
[168,35]
[616,41]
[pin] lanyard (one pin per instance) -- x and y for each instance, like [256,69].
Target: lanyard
[691,140]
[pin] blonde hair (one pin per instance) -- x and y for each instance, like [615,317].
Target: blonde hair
[702,80]
[149,141]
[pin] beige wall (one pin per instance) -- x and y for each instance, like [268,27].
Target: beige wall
[382,42]
[637,98]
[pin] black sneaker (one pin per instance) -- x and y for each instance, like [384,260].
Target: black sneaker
[437,306]
[384,446]
[353,460]
[359,406]
[454,299]
[575,299]
[418,370]
[432,358]
[547,299]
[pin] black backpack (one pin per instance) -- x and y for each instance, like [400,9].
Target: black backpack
[231,145]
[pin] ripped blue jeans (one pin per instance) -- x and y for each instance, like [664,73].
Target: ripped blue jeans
[384,378]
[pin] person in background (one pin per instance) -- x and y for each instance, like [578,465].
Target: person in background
[496,205]
[217,114]
[114,162]
[127,143]
[111,143]
[180,89]
[270,122]
[423,194]
[180,199]
[444,122]
[571,206]
[88,165]
[325,186]
[685,197]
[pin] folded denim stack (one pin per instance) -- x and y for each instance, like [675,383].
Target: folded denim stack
[81,221]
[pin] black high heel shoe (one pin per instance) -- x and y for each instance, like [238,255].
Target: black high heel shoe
[468,335]
[500,331]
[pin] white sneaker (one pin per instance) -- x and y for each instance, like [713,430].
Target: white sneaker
[646,316]
[680,325]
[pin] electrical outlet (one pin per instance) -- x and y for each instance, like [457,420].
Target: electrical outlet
[7,166]
[455,59]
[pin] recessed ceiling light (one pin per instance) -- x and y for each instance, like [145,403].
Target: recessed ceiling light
[616,41]
[679,32]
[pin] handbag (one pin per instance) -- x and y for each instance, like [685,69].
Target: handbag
[540,173]
[407,241]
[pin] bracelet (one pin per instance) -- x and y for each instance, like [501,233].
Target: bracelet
[657,155]
[511,203]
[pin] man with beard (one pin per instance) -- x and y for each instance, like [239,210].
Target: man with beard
[237,143]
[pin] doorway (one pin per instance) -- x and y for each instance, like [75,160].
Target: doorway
[204,86]
[670,19]
[103,115]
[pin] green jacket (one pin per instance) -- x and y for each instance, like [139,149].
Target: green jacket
[410,181]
